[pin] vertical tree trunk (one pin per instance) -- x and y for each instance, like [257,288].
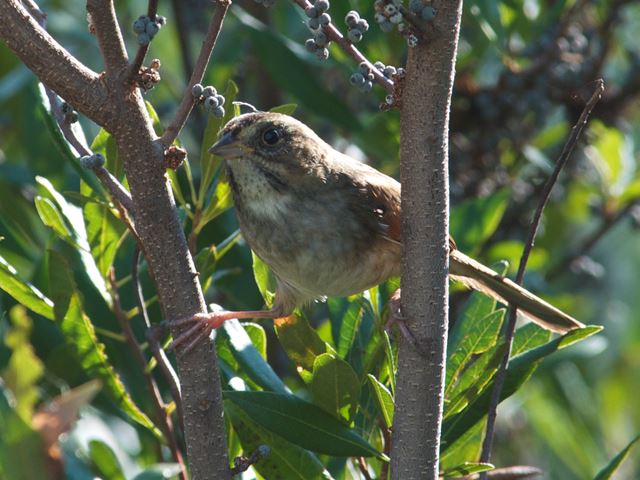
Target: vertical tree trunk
[424,121]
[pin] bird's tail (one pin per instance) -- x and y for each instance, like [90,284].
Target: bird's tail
[475,275]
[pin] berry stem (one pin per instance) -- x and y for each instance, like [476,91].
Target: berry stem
[134,68]
[188,101]
[334,35]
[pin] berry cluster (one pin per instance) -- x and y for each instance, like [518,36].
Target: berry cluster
[210,98]
[422,9]
[390,13]
[363,78]
[146,28]
[70,115]
[91,162]
[356,26]
[318,19]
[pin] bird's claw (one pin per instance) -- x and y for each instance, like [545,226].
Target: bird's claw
[200,326]
[396,318]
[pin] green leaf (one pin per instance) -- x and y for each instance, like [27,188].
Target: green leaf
[467,468]
[21,448]
[81,339]
[286,109]
[251,360]
[346,316]
[302,423]
[611,155]
[466,447]
[24,369]
[520,369]
[615,462]
[105,460]
[474,221]
[285,460]
[23,292]
[265,280]
[52,217]
[220,202]
[480,334]
[301,342]
[105,144]
[384,400]
[335,386]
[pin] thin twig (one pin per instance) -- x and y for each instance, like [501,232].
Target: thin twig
[158,353]
[188,101]
[608,223]
[134,68]
[349,48]
[575,135]
[362,466]
[103,22]
[161,414]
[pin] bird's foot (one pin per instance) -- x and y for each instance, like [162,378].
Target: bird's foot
[396,318]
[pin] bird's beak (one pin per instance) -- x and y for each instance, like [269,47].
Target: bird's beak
[228,147]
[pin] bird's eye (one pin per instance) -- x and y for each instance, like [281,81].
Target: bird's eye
[271,136]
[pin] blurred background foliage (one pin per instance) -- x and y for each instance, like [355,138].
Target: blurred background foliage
[524,70]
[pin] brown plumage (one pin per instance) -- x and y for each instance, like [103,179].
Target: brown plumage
[328,225]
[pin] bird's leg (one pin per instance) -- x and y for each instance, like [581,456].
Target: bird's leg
[202,324]
[396,318]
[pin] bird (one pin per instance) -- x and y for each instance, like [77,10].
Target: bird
[327,225]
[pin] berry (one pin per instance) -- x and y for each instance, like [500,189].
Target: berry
[218,112]
[412,40]
[324,19]
[363,68]
[312,12]
[322,53]
[211,103]
[396,18]
[379,65]
[389,99]
[160,20]
[367,86]
[428,13]
[386,26]
[379,17]
[370,76]
[313,23]
[139,26]
[322,5]
[351,18]
[389,71]
[220,99]
[363,25]
[197,90]
[209,92]
[310,45]
[357,79]
[92,161]
[321,39]
[416,6]
[152,29]
[390,9]
[143,38]
[354,35]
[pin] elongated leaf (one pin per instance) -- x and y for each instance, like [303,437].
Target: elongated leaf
[105,460]
[611,467]
[474,221]
[301,423]
[105,144]
[335,386]
[480,335]
[384,400]
[23,292]
[520,369]
[285,460]
[265,279]
[467,468]
[52,217]
[81,338]
[301,342]
[287,108]
[250,359]
[346,316]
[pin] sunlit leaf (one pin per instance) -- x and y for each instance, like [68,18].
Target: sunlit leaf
[612,466]
[384,400]
[286,109]
[105,460]
[265,279]
[335,386]
[467,468]
[23,292]
[301,342]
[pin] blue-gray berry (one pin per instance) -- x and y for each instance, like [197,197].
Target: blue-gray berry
[396,18]
[389,71]
[363,68]
[351,18]
[312,12]
[368,85]
[428,13]
[210,103]
[322,5]
[92,161]
[218,112]
[321,39]
[310,45]
[313,23]
[220,99]
[386,26]
[390,9]
[412,40]
[357,79]
[379,65]
[379,17]
[324,19]
[362,25]
[354,35]
[197,90]
[139,26]
[143,38]
[322,53]
[160,20]
[209,91]
[416,6]
[152,29]
[389,99]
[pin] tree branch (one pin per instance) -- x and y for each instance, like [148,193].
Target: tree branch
[188,101]
[55,66]
[576,132]
[105,26]
[424,154]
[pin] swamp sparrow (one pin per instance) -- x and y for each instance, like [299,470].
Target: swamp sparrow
[326,224]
